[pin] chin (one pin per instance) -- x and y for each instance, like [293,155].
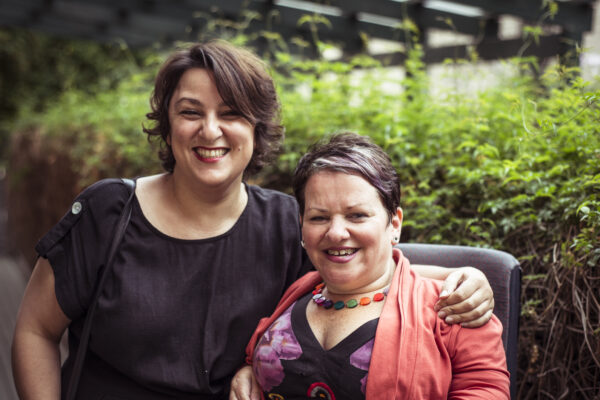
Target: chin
[339,279]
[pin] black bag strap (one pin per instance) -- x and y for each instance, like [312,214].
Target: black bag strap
[87,326]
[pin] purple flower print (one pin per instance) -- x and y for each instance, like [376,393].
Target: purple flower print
[277,343]
[361,359]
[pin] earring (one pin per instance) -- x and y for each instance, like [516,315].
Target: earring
[396,239]
[302,243]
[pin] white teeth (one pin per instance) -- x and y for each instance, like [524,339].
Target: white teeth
[210,153]
[344,252]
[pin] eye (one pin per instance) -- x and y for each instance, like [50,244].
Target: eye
[231,114]
[190,113]
[357,216]
[317,218]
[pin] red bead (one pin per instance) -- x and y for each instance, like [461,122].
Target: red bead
[378,297]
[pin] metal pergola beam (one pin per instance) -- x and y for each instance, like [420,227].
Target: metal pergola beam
[487,50]
[575,16]
[143,22]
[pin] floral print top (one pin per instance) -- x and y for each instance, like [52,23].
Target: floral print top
[289,363]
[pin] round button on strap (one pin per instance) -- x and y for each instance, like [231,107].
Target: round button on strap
[76,208]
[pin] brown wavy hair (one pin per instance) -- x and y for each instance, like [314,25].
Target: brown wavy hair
[244,85]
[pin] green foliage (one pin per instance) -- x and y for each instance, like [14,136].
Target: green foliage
[105,129]
[36,69]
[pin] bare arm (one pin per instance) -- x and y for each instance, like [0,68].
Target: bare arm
[466,296]
[433,271]
[40,325]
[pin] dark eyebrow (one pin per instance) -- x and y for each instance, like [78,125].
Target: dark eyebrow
[196,102]
[349,208]
[189,99]
[316,209]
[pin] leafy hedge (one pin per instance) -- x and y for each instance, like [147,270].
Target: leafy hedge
[515,167]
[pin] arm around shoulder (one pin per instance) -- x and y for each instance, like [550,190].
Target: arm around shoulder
[479,363]
[39,328]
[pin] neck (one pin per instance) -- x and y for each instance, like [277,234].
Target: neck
[378,284]
[202,204]
[183,187]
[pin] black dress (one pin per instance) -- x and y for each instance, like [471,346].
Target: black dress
[175,315]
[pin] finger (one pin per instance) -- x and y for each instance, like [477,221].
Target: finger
[466,289]
[451,283]
[479,321]
[448,287]
[461,305]
[233,390]
[475,304]
[255,393]
[239,394]
[467,316]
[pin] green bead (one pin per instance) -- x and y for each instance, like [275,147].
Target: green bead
[339,305]
[351,303]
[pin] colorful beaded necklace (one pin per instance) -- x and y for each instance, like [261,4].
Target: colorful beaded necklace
[321,301]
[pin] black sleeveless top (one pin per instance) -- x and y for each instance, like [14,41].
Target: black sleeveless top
[175,315]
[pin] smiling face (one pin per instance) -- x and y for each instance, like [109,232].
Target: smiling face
[212,144]
[347,232]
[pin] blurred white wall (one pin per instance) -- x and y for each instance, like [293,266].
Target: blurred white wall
[590,59]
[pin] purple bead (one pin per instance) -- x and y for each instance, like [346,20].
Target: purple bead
[328,304]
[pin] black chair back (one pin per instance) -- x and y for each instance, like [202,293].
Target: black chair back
[502,271]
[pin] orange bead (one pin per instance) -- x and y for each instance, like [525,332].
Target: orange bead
[365,301]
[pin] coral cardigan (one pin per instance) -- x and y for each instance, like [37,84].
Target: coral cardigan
[417,355]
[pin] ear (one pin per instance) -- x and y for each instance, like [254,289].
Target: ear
[300,219]
[168,139]
[396,226]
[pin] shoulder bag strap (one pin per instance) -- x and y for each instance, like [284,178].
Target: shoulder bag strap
[87,326]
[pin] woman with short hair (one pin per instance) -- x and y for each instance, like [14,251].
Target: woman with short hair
[363,325]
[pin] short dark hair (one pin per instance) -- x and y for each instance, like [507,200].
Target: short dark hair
[244,85]
[350,153]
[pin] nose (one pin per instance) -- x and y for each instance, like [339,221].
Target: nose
[337,231]
[211,128]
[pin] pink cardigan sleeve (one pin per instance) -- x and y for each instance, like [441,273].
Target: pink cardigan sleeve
[478,363]
[417,355]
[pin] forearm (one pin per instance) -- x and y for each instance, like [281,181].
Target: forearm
[40,325]
[432,271]
[36,366]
